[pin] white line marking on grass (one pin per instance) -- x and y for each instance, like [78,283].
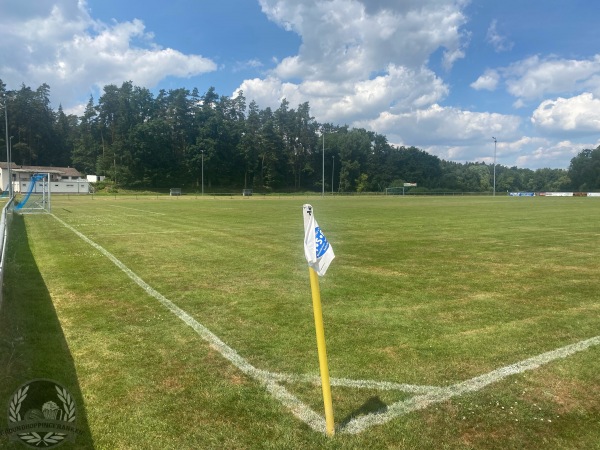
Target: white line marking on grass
[140,210]
[359,384]
[419,402]
[426,395]
[299,409]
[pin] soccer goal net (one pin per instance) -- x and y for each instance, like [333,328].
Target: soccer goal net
[394,191]
[37,197]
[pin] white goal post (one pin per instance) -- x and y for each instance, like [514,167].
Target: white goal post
[398,190]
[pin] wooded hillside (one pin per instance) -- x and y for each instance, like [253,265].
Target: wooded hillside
[142,140]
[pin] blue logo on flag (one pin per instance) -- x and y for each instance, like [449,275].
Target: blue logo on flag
[321,242]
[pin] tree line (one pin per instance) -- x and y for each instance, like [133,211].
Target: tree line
[181,138]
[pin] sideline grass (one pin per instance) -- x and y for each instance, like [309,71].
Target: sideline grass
[427,291]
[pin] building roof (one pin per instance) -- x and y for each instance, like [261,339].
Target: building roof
[3,165]
[64,171]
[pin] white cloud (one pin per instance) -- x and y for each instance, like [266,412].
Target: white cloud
[498,41]
[536,77]
[398,89]
[359,58]
[270,91]
[488,81]
[365,64]
[250,64]
[551,155]
[579,115]
[61,45]
[344,39]
[444,126]
[518,103]
[523,151]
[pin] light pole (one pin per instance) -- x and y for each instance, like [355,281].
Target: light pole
[202,151]
[10,184]
[495,142]
[332,168]
[7,148]
[323,186]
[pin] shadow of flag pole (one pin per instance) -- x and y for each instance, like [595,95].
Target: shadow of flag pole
[319,254]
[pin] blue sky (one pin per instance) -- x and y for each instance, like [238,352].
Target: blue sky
[442,75]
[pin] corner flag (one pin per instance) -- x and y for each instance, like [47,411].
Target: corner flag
[317,250]
[319,255]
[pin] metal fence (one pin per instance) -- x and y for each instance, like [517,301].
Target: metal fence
[5,219]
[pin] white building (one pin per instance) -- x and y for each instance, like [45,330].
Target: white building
[63,180]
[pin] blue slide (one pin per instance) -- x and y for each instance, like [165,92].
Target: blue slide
[34,179]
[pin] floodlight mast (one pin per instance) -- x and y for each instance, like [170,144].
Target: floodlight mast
[323,183]
[332,169]
[495,142]
[8,163]
[10,188]
[323,164]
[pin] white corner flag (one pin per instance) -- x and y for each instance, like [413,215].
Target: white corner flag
[319,255]
[317,250]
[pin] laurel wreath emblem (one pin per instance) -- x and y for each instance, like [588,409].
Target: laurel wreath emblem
[68,404]
[14,408]
[34,438]
[48,439]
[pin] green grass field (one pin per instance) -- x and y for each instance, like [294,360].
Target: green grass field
[424,292]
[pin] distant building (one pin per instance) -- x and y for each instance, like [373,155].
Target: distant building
[95,178]
[63,180]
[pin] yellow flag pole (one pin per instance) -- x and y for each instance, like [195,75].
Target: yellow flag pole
[318,312]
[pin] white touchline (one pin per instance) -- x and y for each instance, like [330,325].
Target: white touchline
[299,409]
[426,395]
[474,384]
